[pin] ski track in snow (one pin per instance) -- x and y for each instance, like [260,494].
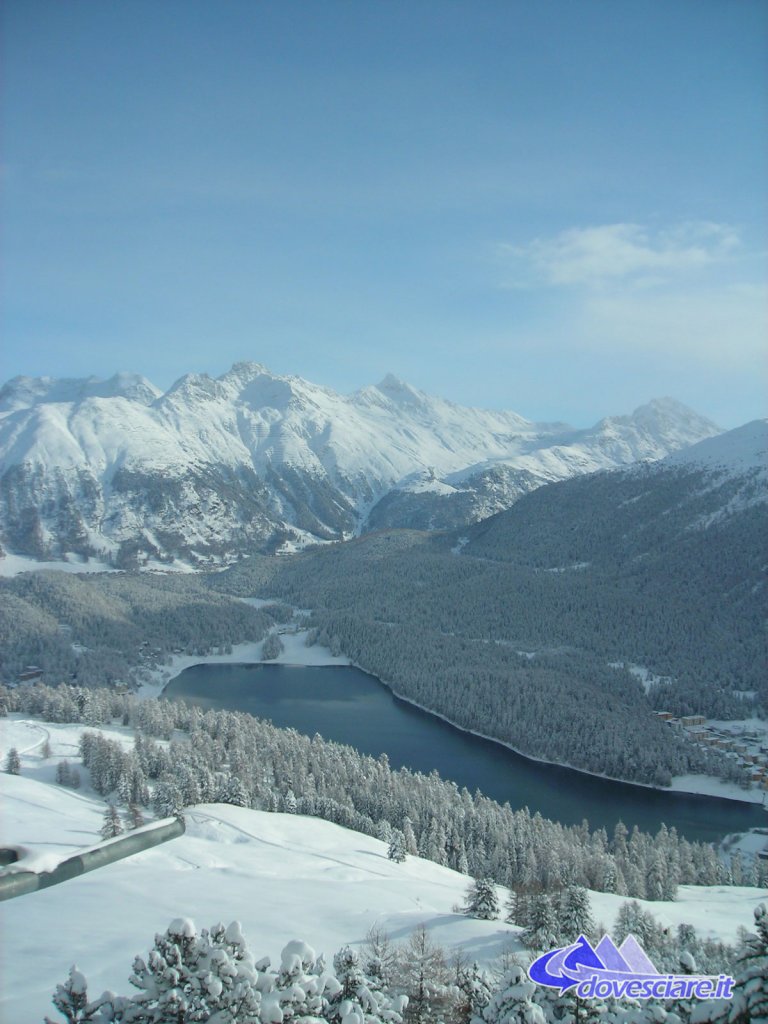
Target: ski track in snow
[194,815]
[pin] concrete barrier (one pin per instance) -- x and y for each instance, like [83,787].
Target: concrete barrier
[18,883]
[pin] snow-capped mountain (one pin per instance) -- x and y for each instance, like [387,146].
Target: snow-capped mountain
[214,467]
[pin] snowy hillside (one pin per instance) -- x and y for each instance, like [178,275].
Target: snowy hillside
[740,451]
[115,469]
[283,876]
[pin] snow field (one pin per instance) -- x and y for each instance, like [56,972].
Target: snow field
[283,876]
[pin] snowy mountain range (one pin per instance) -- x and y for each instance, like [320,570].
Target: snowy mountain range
[216,467]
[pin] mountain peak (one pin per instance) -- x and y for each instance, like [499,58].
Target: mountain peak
[195,386]
[244,371]
[399,391]
[667,415]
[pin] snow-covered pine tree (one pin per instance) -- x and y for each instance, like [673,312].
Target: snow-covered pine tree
[346,967]
[112,826]
[12,762]
[411,845]
[512,1002]
[750,993]
[272,647]
[167,800]
[135,817]
[422,973]
[396,850]
[475,986]
[71,998]
[633,920]
[233,791]
[63,773]
[541,931]
[197,977]
[380,957]
[289,803]
[575,916]
[384,830]
[482,901]
[303,987]
[518,907]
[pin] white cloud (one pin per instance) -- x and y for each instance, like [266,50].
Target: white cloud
[611,253]
[691,293]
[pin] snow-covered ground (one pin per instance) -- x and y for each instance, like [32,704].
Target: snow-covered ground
[282,876]
[737,451]
[646,677]
[708,785]
[12,565]
[742,727]
[294,652]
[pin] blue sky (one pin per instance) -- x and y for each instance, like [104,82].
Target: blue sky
[553,207]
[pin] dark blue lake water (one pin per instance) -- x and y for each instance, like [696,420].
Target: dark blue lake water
[350,706]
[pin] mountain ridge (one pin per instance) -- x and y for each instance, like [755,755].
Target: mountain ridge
[216,466]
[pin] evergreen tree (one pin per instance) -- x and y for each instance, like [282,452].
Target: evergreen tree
[517,908]
[411,845]
[475,987]
[396,850]
[424,977]
[167,800]
[272,647]
[512,1002]
[541,932]
[135,817]
[750,992]
[235,793]
[482,901]
[380,957]
[575,917]
[190,977]
[63,773]
[384,830]
[71,998]
[13,762]
[112,826]
[346,967]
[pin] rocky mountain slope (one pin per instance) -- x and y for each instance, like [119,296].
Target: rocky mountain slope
[215,467]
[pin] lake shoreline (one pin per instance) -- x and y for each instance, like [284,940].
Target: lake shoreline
[316,656]
[552,789]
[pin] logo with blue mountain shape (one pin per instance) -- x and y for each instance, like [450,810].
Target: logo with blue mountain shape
[621,971]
